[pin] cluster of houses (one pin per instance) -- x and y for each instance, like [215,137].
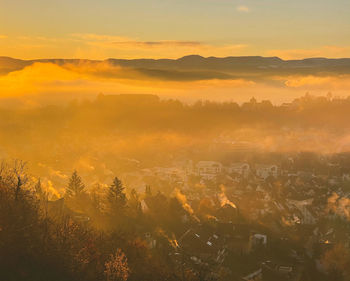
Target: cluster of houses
[210,170]
[276,200]
[257,209]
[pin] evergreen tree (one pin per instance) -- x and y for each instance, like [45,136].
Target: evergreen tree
[116,194]
[75,186]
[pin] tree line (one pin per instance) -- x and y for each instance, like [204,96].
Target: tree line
[83,235]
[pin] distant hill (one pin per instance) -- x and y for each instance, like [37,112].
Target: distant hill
[194,66]
[9,64]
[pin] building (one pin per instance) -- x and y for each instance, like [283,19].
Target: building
[264,171]
[208,169]
[239,168]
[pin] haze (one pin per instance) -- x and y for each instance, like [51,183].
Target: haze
[174,140]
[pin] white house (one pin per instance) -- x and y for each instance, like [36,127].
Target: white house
[239,168]
[208,169]
[264,171]
[258,239]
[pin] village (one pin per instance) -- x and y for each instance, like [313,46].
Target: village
[266,221]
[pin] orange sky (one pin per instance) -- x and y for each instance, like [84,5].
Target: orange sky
[172,29]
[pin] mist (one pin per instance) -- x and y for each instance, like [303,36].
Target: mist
[38,82]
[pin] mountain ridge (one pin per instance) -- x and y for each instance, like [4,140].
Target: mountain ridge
[195,67]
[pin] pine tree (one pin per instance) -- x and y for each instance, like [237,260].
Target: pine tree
[116,194]
[75,186]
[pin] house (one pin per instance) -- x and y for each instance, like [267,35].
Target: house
[346,177]
[306,213]
[264,171]
[277,272]
[203,244]
[208,169]
[239,168]
[144,206]
[258,240]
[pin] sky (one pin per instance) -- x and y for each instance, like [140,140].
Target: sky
[174,28]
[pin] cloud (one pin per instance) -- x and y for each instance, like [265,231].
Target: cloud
[128,42]
[97,37]
[324,51]
[102,46]
[53,81]
[85,79]
[158,43]
[93,45]
[243,9]
[313,82]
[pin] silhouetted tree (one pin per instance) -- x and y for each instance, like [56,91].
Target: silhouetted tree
[116,195]
[75,186]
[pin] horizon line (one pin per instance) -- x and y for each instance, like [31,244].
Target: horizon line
[173,59]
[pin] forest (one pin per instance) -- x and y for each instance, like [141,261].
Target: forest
[81,236]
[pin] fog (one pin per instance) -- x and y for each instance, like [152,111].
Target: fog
[121,134]
[105,158]
[33,83]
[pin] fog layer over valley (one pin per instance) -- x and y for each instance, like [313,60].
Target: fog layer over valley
[124,134]
[32,82]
